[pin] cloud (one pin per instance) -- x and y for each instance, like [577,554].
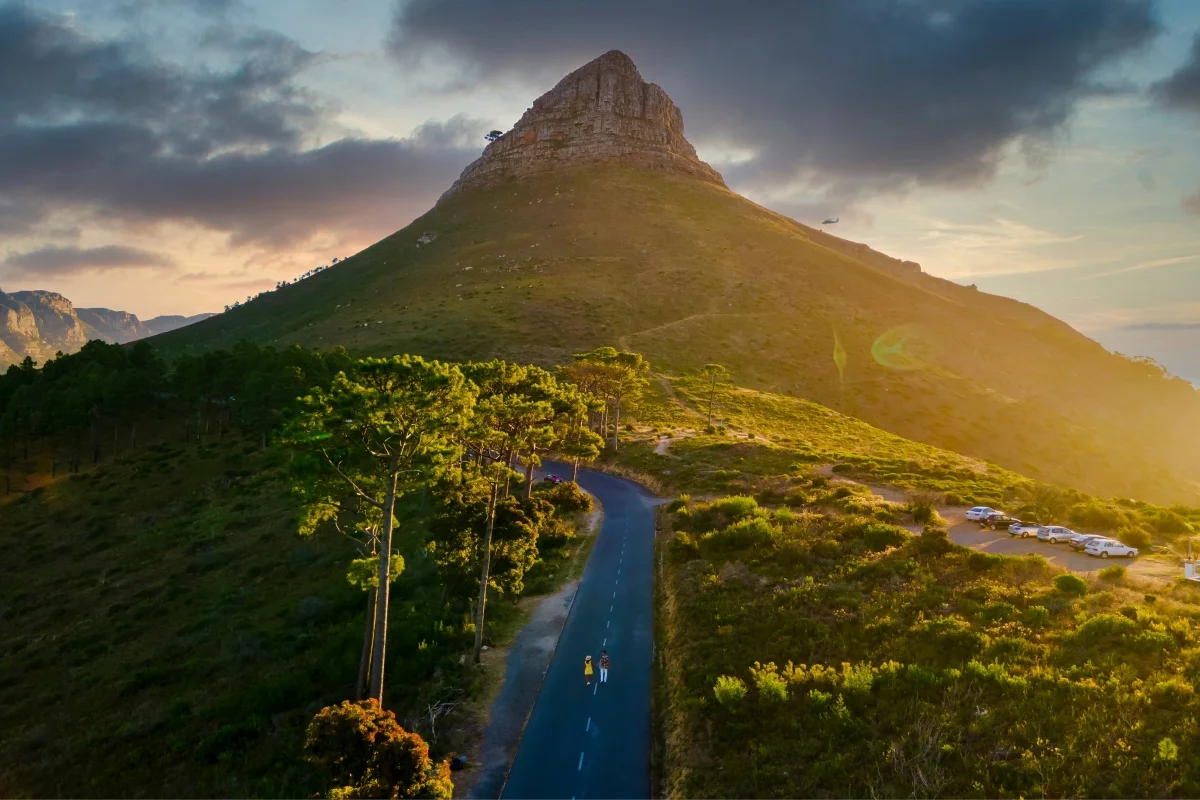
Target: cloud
[68,260]
[854,97]
[1164,326]
[1182,89]
[102,128]
[1157,263]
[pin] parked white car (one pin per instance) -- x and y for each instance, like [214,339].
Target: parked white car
[1054,534]
[978,512]
[1110,547]
[1023,529]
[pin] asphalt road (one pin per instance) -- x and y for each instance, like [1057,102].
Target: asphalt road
[594,741]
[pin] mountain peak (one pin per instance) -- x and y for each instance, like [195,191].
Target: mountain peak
[603,111]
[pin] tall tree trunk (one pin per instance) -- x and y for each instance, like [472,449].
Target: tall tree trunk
[712,392]
[385,566]
[575,471]
[617,423]
[508,475]
[484,574]
[529,477]
[364,662]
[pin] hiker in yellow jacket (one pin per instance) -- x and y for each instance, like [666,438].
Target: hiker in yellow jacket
[587,669]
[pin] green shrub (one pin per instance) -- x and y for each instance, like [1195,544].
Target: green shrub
[1096,516]
[1104,628]
[1113,573]
[934,540]
[772,686]
[996,612]
[878,535]
[818,698]
[751,532]
[923,507]
[1167,750]
[1037,616]
[1070,584]
[1134,537]
[366,753]
[729,690]
[734,507]
[567,498]
[982,562]
[1167,522]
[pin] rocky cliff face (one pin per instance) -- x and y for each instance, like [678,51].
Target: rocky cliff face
[114,326]
[39,324]
[602,111]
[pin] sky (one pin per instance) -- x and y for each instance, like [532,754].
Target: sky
[174,156]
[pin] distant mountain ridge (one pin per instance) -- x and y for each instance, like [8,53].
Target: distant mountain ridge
[40,323]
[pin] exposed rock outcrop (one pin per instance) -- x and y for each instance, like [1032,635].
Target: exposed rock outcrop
[114,326]
[39,324]
[604,111]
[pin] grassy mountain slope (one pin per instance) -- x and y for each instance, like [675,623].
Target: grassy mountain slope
[689,272]
[164,631]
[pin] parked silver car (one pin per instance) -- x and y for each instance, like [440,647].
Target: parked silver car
[1054,534]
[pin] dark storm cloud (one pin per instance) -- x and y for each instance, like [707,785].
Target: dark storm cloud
[64,260]
[107,130]
[856,95]
[1182,88]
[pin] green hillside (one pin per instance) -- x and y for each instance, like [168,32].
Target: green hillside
[688,272]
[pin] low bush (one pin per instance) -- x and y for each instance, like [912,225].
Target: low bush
[729,690]
[1036,616]
[772,686]
[878,535]
[745,533]
[1070,584]
[568,498]
[1135,537]
[1113,573]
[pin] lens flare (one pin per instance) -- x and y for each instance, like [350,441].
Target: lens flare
[896,349]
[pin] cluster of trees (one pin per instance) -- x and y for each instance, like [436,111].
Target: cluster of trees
[109,398]
[616,377]
[388,428]
[280,284]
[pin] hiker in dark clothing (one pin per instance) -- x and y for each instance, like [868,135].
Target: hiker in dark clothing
[604,662]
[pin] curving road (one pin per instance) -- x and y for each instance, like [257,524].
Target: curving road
[592,742]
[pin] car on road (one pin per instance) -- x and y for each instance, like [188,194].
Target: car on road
[997,520]
[553,479]
[1081,540]
[1105,548]
[1054,533]
[978,512]
[1023,529]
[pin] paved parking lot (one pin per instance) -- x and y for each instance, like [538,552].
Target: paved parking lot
[1000,542]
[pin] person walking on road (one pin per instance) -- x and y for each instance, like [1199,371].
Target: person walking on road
[604,662]
[587,669]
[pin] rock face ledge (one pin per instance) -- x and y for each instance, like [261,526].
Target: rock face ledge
[601,112]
